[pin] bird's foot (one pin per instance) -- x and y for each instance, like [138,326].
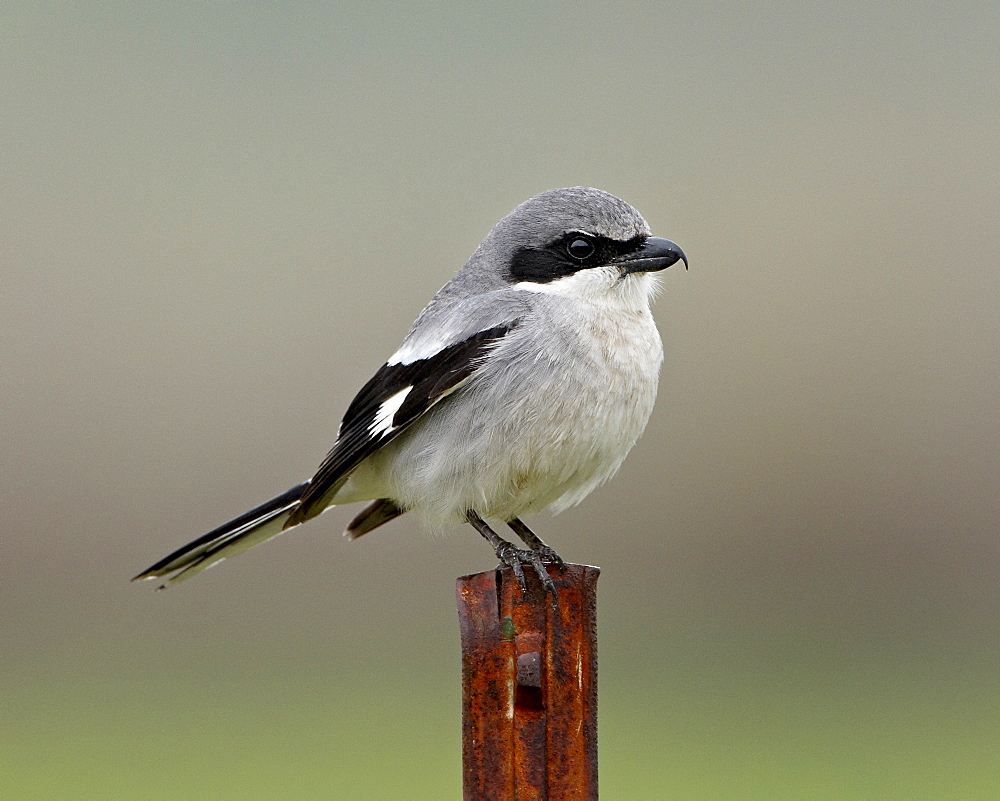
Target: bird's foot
[513,557]
[549,556]
[533,541]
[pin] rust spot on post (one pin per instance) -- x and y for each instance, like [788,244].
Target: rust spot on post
[529,686]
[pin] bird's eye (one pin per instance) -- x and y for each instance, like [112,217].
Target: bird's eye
[580,248]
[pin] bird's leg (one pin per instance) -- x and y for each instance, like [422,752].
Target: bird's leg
[533,541]
[512,556]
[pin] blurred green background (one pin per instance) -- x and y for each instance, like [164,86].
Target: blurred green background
[216,220]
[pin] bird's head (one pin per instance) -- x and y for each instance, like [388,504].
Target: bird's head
[578,242]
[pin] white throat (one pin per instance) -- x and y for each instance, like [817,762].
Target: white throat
[605,286]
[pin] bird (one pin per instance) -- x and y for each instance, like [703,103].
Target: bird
[520,387]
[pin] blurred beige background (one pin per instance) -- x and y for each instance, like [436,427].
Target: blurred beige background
[216,220]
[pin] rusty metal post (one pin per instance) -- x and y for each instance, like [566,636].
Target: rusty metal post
[529,686]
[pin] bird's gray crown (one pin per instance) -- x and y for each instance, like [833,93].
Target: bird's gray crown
[536,222]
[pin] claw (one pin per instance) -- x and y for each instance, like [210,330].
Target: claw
[536,560]
[511,556]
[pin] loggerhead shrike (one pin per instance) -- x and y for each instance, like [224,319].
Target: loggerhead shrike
[522,386]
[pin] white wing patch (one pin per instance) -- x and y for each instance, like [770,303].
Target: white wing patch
[420,349]
[382,424]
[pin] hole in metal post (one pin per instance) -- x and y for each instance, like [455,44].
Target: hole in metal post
[529,681]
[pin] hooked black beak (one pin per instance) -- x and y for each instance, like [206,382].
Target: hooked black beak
[657,254]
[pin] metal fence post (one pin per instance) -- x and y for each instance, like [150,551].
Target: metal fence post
[529,686]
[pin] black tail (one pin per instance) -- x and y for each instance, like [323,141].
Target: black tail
[232,538]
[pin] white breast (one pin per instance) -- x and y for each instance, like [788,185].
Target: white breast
[549,417]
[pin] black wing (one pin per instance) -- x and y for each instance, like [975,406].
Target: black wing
[395,396]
